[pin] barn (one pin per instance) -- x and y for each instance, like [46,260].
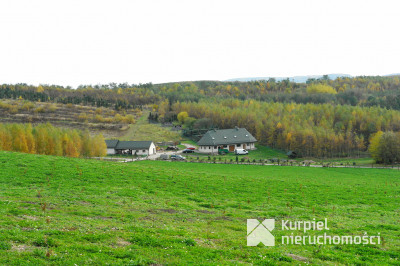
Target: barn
[111,144]
[230,139]
[130,147]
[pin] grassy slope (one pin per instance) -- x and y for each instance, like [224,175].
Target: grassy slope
[160,212]
[143,130]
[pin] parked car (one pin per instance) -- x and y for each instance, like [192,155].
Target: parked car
[177,157]
[241,152]
[164,157]
[188,151]
[172,148]
[191,148]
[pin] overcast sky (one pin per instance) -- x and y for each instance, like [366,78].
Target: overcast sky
[91,42]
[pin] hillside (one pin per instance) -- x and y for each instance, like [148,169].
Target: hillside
[107,121]
[143,130]
[322,118]
[56,210]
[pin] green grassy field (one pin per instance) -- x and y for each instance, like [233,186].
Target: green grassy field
[143,130]
[57,210]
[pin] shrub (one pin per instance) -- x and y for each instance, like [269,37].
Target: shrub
[52,108]
[82,117]
[118,118]
[130,119]
[28,106]
[99,118]
[39,109]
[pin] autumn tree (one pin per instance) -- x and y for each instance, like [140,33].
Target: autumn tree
[374,146]
[182,116]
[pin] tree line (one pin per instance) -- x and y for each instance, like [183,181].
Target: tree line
[358,91]
[50,140]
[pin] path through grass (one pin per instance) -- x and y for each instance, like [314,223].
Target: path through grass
[143,130]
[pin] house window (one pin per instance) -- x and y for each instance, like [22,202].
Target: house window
[144,150]
[225,146]
[238,145]
[215,147]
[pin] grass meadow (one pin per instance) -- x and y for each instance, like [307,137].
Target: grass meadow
[143,130]
[56,210]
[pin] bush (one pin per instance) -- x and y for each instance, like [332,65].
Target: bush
[82,117]
[99,118]
[28,106]
[118,118]
[129,119]
[52,108]
[39,109]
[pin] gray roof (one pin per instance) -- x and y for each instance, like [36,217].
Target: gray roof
[133,145]
[111,143]
[226,136]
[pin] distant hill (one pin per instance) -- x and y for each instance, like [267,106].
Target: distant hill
[302,79]
[297,79]
[393,75]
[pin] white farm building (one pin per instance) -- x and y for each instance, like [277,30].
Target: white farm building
[115,146]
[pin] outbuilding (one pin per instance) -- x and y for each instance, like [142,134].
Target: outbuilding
[131,147]
[111,144]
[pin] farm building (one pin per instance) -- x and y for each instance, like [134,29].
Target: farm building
[111,144]
[230,139]
[130,147]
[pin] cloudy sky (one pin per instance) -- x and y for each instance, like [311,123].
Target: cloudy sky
[90,42]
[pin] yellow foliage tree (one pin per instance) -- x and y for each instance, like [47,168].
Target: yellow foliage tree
[182,117]
[321,88]
[374,145]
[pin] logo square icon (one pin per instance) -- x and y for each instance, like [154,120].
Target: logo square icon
[260,232]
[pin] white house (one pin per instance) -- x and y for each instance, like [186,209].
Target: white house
[131,147]
[230,139]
